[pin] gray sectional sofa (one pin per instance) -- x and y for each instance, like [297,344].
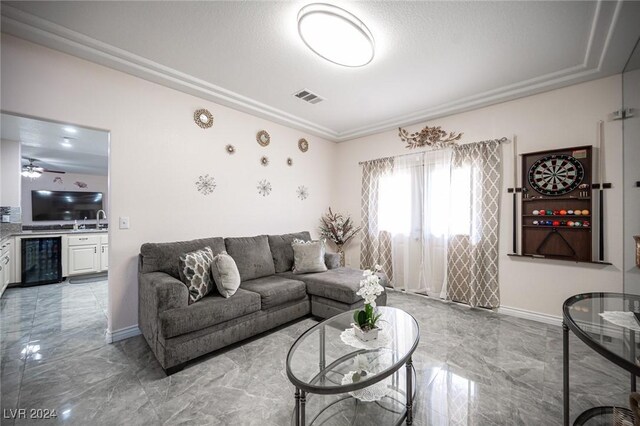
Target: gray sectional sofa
[270,295]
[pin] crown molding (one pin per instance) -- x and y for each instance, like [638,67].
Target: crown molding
[41,31]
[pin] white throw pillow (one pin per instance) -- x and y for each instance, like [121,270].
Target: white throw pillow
[308,256]
[225,274]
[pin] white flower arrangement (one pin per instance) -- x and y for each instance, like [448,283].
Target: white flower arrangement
[370,288]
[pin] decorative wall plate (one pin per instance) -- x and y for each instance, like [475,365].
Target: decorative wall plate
[230,149]
[203,118]
[264,160]
[302,192]
[264,187]
[289,161]
[205,184]
[263,138]
[303,145]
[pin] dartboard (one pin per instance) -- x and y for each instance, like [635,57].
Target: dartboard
[556,174]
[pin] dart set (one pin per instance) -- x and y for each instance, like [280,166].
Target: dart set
[556,204]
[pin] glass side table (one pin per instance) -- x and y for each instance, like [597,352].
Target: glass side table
[581,315]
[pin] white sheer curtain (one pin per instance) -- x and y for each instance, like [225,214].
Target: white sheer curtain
[437,217]
[415,209]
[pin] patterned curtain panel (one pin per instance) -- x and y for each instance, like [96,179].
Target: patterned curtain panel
[472,267]
[375,246]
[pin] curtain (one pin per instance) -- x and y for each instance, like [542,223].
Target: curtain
[415,210]
[473,252]
[375,245]
[401,196]
[438,214]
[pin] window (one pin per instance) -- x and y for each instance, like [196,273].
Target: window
[394,208]
[447,201]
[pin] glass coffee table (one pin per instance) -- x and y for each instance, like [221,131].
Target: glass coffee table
[613,335]
[322,362]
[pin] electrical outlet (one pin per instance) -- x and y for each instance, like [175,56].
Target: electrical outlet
[124,222]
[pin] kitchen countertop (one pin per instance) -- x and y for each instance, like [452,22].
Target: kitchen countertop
[33,233]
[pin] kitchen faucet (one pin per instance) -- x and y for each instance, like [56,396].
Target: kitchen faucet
[98,225]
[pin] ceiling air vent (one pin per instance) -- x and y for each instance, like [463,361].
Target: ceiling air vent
[308,96]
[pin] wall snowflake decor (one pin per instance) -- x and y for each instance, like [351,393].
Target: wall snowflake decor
[264,187]
[230,149]
[205,184]
[264,160]
[302,192]
[203,118]
[289,161]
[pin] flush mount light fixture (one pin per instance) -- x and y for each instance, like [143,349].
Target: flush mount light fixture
[336,35]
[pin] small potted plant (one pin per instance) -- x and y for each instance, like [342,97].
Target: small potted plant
[365,320]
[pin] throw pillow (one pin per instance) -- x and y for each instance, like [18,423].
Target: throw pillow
[195,273]
[308,256]
[225,274]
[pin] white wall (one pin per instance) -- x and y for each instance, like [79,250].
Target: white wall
[561,118]
[632,175]
[94,183]
[10,173]
[157,153]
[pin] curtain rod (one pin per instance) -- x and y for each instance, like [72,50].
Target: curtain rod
[501,140]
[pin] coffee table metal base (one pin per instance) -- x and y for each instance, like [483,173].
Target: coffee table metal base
[301,399]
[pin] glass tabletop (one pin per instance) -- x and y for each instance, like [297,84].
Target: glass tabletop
[321,362]
[606,323]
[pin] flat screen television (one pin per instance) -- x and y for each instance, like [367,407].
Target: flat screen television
[64,205]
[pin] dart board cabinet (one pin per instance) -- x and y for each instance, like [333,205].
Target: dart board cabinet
[557,204]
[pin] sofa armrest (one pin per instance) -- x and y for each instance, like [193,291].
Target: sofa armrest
[163,291]
[332,260]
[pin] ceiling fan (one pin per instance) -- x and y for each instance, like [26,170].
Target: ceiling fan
[32,171]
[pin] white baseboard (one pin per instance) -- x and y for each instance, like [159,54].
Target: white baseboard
[123,333]
[530,315]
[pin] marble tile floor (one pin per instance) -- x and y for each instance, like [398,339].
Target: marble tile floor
[474,367]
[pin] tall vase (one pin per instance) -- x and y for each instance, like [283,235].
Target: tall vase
[341,253]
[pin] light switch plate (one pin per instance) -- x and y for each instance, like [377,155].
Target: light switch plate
[124,222]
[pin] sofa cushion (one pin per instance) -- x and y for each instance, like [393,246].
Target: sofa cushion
[275,291]
[225,274]
[195,273]
[336,284]
[211,310]
[163,257]
[281,250]
[308,256]
[252,256]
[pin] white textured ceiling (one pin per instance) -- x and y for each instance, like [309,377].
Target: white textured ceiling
[432,58]
[42,141]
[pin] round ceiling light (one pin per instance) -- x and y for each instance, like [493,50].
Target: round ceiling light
[336,35]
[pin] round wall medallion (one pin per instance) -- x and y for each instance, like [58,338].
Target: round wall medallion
[203,118]
[263,138]
[303,145]
[230,149]
[264,160]
[289,161]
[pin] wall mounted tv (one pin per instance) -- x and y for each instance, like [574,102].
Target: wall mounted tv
[65,205]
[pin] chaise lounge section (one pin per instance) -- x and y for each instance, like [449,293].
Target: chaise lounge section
[270,295]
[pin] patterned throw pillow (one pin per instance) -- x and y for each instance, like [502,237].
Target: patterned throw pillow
[308,256]
[195,273]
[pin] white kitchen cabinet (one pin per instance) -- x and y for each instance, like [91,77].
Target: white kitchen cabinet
[104,253]
[6,265]
[83,259]
[83,255]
